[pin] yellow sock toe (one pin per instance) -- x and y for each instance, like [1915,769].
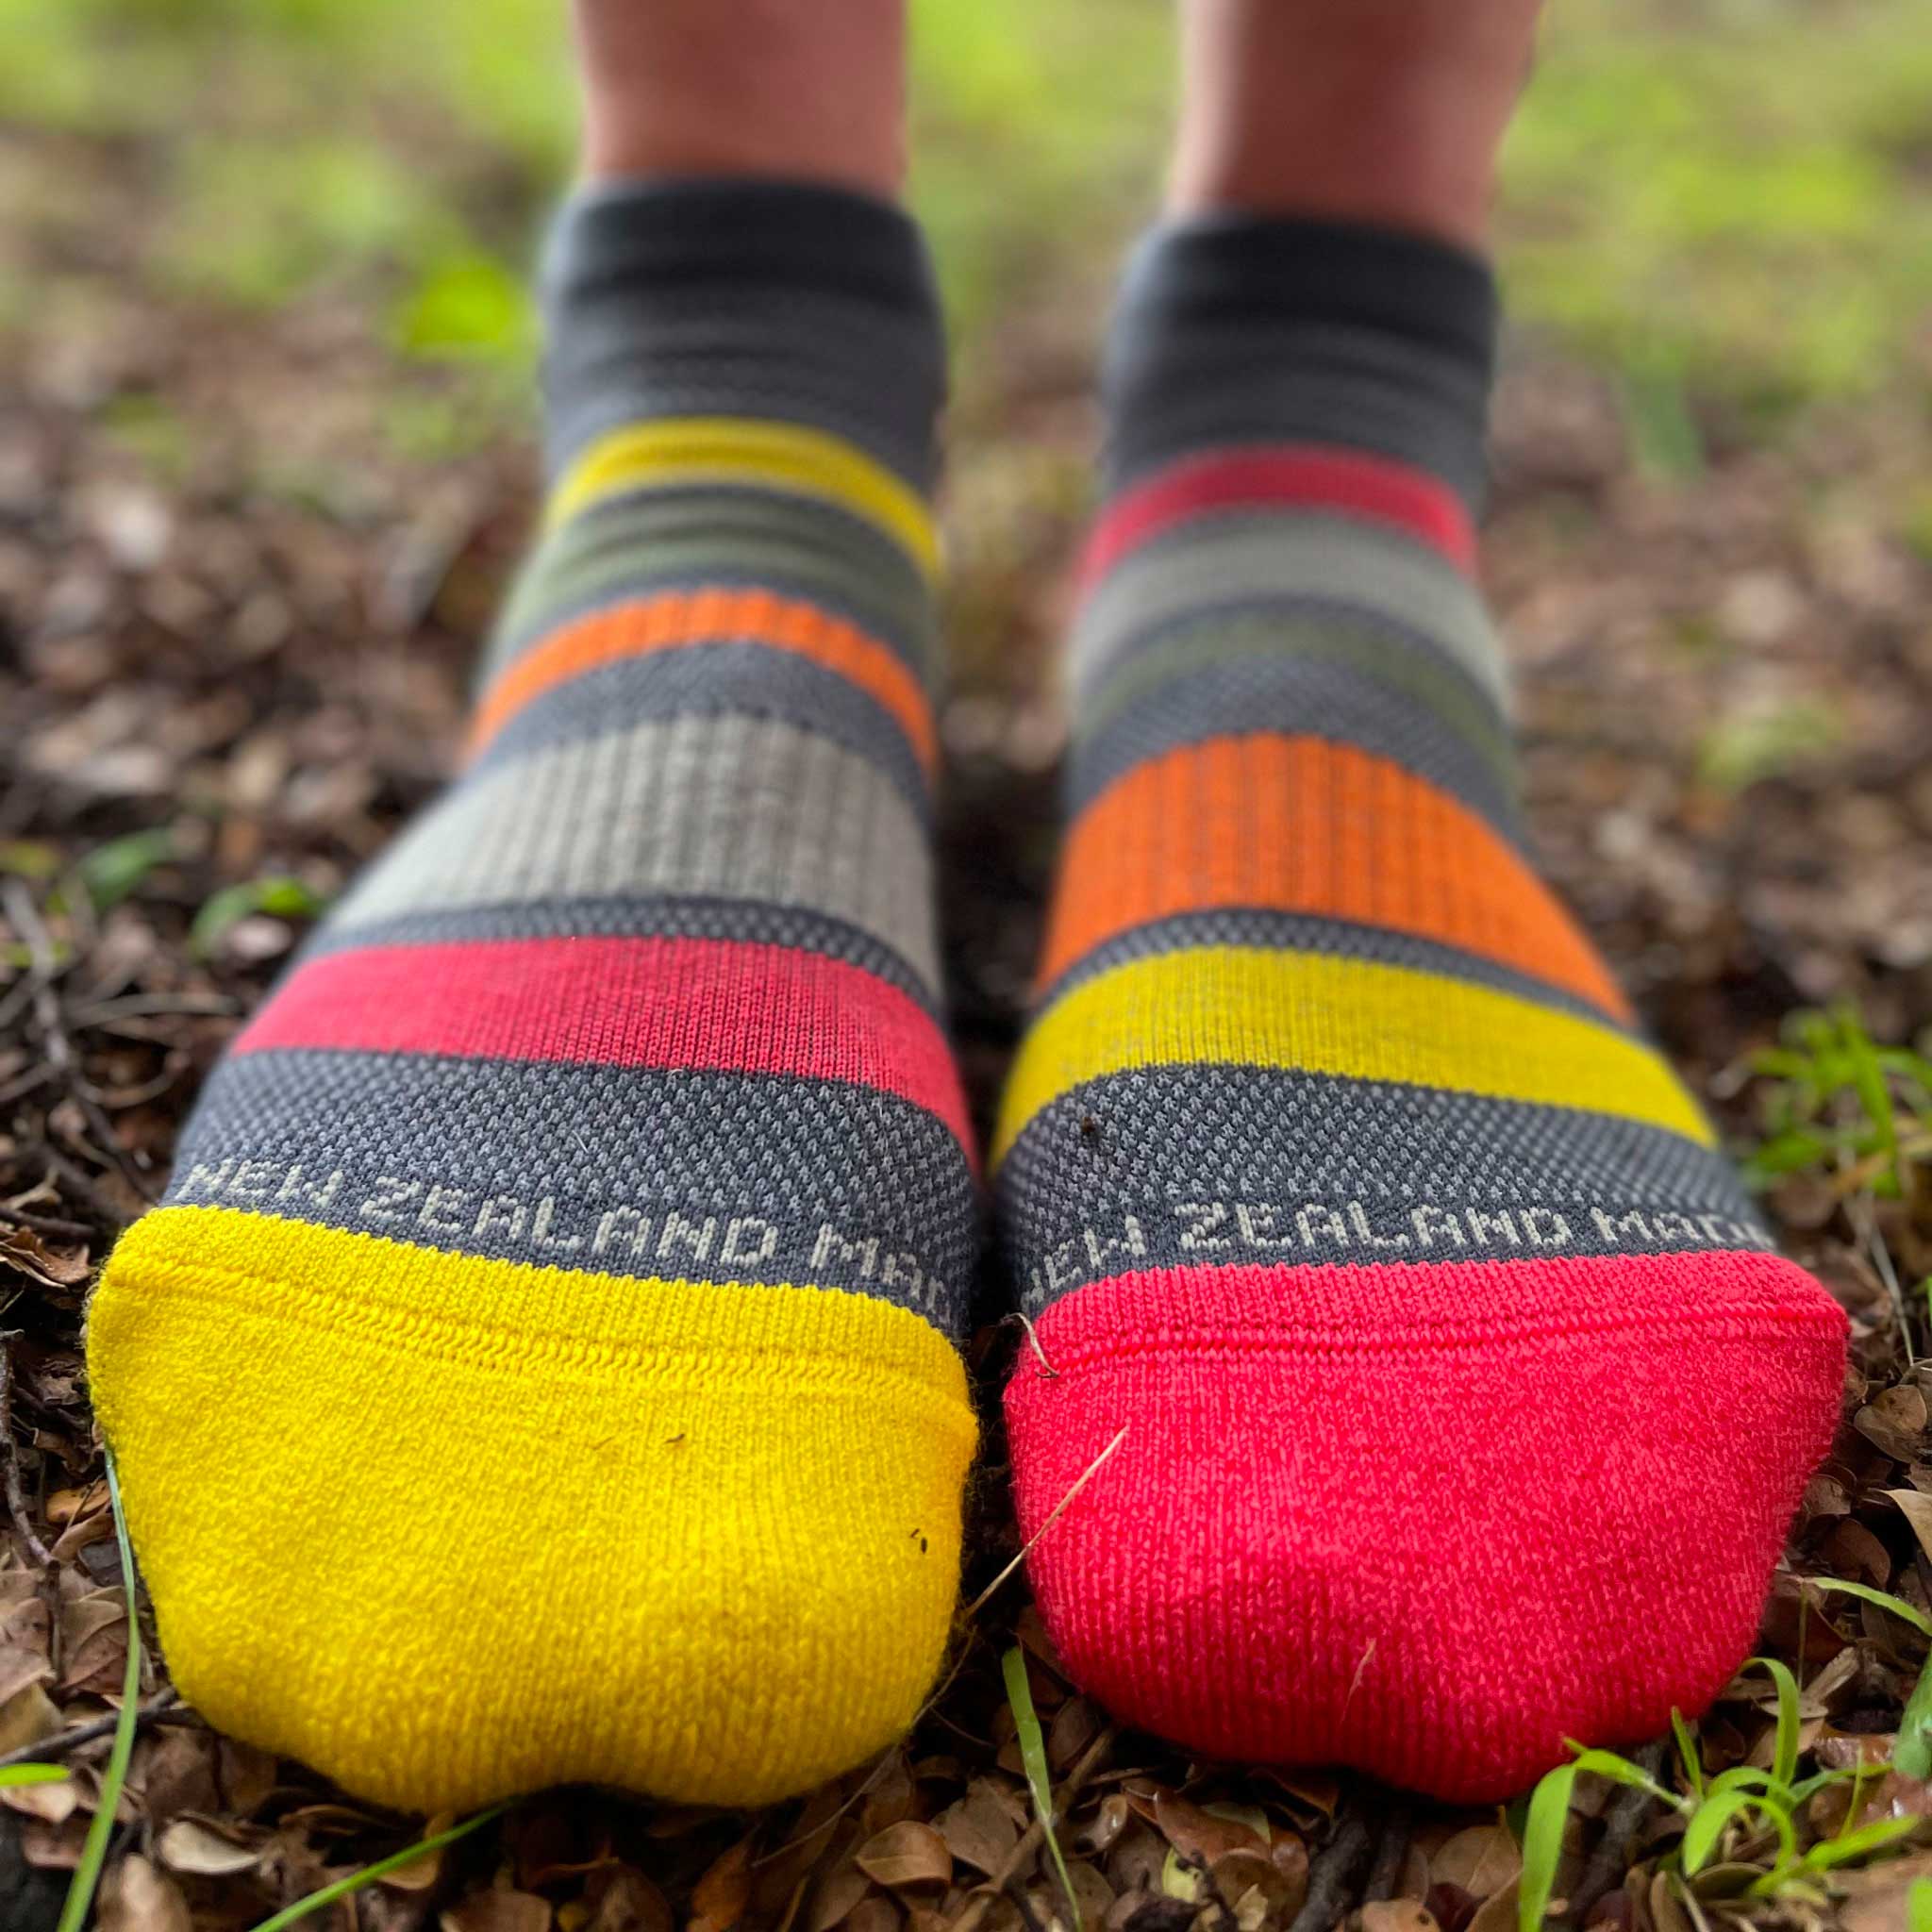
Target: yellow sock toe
[450,1529]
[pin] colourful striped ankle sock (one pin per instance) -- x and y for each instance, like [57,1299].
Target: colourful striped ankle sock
[544,1365]
[1334,1169]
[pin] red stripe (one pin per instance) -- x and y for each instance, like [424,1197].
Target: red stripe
[721,1005]
[1286,477]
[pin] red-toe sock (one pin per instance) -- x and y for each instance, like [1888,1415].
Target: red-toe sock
[1465,1401]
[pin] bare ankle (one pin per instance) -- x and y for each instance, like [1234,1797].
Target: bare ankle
[1382,111]
[765,88]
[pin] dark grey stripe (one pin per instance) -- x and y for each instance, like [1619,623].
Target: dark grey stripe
[419,1147]
[713,680]
[728,807]
[1216,638]
[1157,1144]
[1301,932]
[651,542]
[1270,560]
[1297,697]
[1237,328]
[754,922]
[771,299]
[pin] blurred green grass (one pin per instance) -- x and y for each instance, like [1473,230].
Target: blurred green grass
[1734,196]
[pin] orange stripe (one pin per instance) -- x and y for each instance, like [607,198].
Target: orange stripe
[1298,824]
[712,615]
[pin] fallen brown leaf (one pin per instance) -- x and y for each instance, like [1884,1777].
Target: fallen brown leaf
[52,1804]
[135,1897]
[719,1900]
[498,1911]
[28,1717]
[1398,1915]
[1481,1861]
[24,1251]
[1895,1421]
[1196,1832]
[193,1846]
[979,1830]
[908,1852]
[630,1903]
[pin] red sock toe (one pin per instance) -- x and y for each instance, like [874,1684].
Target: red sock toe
[1428,1520]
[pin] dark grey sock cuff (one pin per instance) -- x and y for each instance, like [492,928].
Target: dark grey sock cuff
[1241,328]
[770,299]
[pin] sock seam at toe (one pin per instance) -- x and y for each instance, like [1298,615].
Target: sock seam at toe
[1766,1324]
[438,1337]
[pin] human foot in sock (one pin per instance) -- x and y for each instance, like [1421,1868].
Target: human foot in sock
[1334,1169]
[543,1367]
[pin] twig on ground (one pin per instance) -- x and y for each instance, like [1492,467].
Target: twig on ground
[10,1458]
[24,918]
[47,1223]
[1024,1906]
[83,1184]
[1031,1840]
[89,1733]
[1330,1879]
[1622,1819]
[1391,1848]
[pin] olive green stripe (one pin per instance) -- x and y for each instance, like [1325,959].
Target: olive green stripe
[739,536]
[1218,638]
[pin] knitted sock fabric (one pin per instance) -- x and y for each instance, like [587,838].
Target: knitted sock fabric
[543,1367]
[1333,1168]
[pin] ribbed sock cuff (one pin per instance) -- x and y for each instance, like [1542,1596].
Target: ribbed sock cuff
[783,301]
[1241,329]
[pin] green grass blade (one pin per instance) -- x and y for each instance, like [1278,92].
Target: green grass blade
[1785,1758]
[1621,1771]
[1688,1750]
[1549,1804]
[32,1773]
[1542,1845]
[1748,1777]
[1856,1844]
[1707,1823]
[1033,1755]
[1897,1605]
[355,1881]
[1919,1907]
[94,1850]
[1911,1751]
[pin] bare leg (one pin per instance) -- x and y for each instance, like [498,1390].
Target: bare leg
[802,91]
[1371,111]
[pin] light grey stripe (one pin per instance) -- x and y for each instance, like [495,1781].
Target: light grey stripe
[727,807]
[1253,559]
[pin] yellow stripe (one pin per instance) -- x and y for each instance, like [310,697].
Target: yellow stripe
[1257,1006]
[450,1527]
[723,449]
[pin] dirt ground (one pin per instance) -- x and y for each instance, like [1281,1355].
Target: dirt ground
[236,613]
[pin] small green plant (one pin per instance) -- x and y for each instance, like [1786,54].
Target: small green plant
[1842,1105]
[285,898]
[1743,1817]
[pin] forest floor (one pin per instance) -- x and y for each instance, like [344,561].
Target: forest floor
[247,549]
